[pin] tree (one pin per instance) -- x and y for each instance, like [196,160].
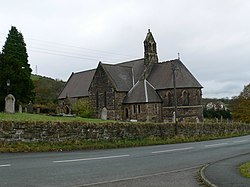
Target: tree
[246,91]
[14,67]
[240,106]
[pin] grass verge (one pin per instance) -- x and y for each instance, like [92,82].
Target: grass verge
[104,144]
[245,169]
[44,118]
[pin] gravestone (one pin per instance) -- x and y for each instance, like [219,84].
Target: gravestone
[104,113]
[10,104]
[197,120]
[20,110]
[38,110]
[174,118]
[30,107]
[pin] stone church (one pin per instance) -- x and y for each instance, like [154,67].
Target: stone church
[138,90]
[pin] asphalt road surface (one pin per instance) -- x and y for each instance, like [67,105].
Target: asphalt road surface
[164,165]
[226,172]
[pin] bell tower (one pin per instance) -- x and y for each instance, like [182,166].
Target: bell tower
[150,52]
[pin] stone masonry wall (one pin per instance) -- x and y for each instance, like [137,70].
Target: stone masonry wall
[61,131]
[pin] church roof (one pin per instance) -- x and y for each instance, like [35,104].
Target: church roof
[137,67]
[121,76]
[142,92]
[124,75]
[77,85]
[161,76]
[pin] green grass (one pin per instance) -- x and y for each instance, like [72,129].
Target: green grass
[70,145]
[245,169]
[44,118]
[35,77]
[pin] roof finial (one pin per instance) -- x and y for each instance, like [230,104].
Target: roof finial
[178,56]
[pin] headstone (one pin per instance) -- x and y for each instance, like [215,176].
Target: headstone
[174,118]
[104,113]
[10,104]
[38,110]
[58,110]
[197,120]
[30,107]
[20,110]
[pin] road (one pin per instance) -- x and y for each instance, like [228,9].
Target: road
[104,167]
[215,172]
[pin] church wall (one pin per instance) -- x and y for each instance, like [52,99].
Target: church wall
[143,112]
[189,104]
[103,89]
[119,97]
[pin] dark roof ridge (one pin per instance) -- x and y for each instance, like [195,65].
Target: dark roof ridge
[115,65]
[131,89]
[150,84]
[122,63]
[169,61]
[84,71]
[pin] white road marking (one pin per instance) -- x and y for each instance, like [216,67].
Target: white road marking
[215,145]
[5,165]
[240,141]
[172,150]
[87,159]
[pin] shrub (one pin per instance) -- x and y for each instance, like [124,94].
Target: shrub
[82,108]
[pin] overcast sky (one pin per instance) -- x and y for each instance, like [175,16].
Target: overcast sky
[65,36]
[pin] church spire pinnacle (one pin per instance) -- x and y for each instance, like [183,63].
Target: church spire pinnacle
[150,51]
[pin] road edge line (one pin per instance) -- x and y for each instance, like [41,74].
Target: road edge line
[203,177]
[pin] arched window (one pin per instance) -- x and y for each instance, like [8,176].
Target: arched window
[198,97]
[169,99]
[97,99]
[126,113]
[139,109]
[185,98]
[105,99]
[66,109]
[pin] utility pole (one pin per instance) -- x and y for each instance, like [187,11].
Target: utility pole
[175,99]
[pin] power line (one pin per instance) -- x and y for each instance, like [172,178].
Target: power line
[77,47]
[69,54]
[59,52]
[65,55]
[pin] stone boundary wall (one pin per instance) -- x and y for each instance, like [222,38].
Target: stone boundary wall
[62,131]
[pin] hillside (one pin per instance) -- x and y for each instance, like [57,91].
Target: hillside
[46,90]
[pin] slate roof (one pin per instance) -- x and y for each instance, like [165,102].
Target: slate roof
[124,75]
[137,65]
[127,77]
[121,76]
[142,92]
[161,76]
[77,85]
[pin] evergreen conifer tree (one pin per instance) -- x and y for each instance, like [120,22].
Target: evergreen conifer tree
[14,66]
